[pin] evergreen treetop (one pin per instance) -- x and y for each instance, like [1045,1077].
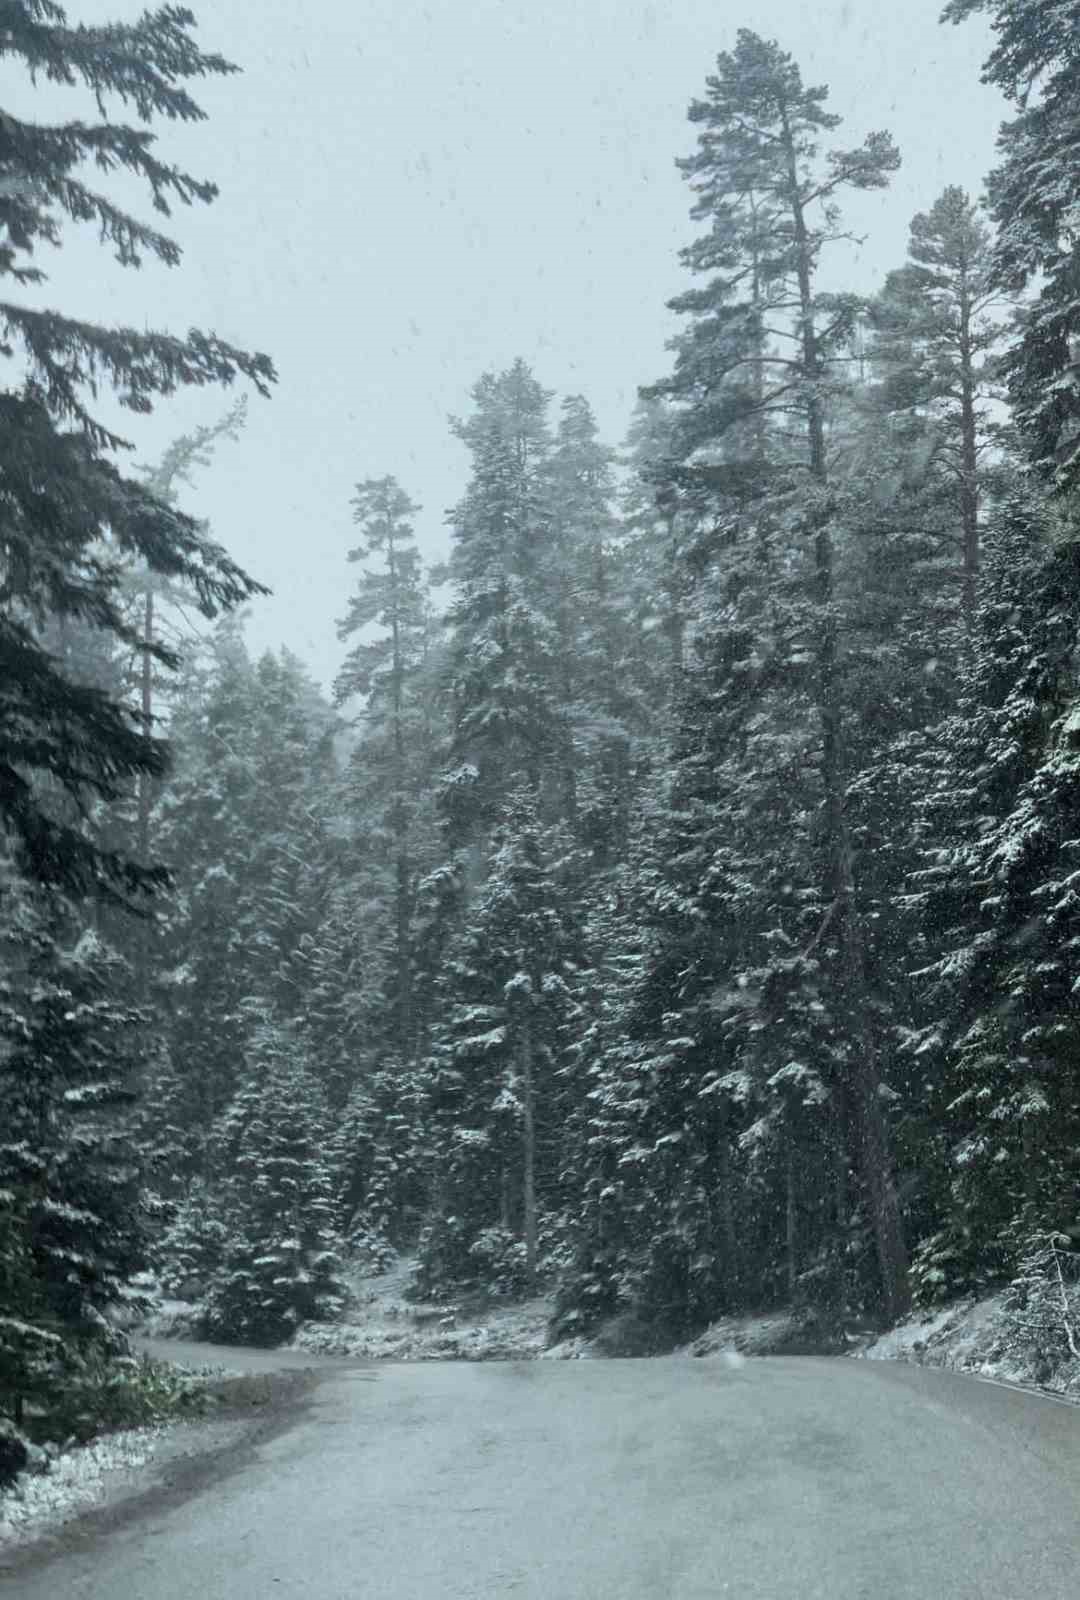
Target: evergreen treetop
[71,521]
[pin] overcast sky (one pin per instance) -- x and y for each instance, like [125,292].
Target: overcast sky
[413,194]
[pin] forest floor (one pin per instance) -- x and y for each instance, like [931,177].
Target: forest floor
[382,1324]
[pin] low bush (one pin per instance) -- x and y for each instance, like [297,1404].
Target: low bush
[102,1393]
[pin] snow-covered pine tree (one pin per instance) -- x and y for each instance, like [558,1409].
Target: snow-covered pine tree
[506,723]
[589,617]
[293,851]
[935,351]
[72,524]
[759,375]
[150,595]
[246,825]
[63,492]
[384,1159]
[71,1224]
[280,1259]
[1034,196]
[498,1098]
[388,788]
[202,830]
[717,921]
[996,898]
[614,1215]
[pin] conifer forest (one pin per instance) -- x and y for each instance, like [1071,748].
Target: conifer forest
[675,903]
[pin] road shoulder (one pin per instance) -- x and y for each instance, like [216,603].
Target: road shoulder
[128,1475]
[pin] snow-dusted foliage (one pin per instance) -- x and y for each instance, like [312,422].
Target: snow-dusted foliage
[72,744]
[1034,195]
[735,1122]
[499,1095]
[71,1232]
[996,897]
[190,1250]
[383,1160]
[279,1258]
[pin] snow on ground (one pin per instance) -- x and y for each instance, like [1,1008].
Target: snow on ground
[100,1473]
[382,1325]
[575,1349]
[773,1334]
[73,1482]
[979,1337]
[908,1339]
[171,1319]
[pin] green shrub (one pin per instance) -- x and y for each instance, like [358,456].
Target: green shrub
[102,1393]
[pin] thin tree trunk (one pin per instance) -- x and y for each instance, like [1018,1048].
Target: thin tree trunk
[676,622]
[725,1200]
[529,1137]
[144,791]
[840,1147]
[400,826]
[790,1221]
[568,799]
[147,712]
[969,486]
[876,1169]
[758,369]
[403,957]
[873,1160]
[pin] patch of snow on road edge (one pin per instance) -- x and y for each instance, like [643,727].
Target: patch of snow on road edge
[977,1337]
[75,1481]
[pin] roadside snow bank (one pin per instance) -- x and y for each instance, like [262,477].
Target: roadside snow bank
[72,1483]
[982,1337]
[100,1474]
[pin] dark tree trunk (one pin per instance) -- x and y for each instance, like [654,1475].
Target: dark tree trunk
[529,1151]
[790,1229]
[969,483]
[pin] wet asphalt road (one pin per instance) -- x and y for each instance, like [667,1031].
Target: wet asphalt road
[669,1479]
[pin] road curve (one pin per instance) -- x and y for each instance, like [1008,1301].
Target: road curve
[670,1479]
